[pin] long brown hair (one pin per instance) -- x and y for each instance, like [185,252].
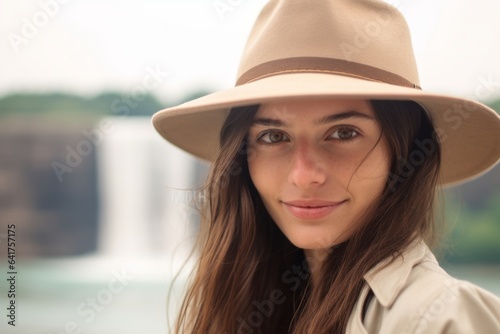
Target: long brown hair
[250,279]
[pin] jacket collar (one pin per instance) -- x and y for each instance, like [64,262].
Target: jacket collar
[387,278]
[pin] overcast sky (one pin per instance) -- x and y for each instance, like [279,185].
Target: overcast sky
[89,46]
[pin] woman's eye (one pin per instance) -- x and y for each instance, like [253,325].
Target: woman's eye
[272,137]
[344,133]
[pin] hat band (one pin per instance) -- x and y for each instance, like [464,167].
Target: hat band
[322,65]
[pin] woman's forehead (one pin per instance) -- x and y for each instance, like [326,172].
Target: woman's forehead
[308,109]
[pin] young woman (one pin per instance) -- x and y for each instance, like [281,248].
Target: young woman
[327,157]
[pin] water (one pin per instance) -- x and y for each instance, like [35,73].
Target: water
[487,277]
[101,296]
[91,295]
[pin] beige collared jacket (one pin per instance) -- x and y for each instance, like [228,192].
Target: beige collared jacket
[415,295]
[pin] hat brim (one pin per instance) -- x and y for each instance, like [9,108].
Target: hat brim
[469,131]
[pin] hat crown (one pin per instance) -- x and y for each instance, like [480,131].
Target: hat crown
[338,33]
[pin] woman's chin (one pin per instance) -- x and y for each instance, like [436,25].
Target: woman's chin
[314,241]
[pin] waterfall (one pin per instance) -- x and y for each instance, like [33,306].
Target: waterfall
[145,192]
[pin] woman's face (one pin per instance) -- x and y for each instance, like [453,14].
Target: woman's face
[317,165]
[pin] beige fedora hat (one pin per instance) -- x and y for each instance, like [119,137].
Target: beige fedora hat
[336,49]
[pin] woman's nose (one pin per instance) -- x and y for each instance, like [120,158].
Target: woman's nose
[307,166]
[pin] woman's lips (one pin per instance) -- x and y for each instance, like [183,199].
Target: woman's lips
[311,209]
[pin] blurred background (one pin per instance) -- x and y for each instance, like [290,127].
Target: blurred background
[103,207]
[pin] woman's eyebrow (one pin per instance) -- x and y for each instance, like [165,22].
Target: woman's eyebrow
[341,116]
[324,120]
[269,122]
